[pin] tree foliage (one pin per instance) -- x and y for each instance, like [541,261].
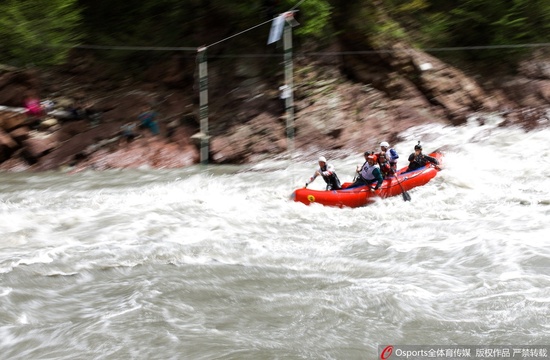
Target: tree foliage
[315,20]
[37,31]
[474,23]
[40,31]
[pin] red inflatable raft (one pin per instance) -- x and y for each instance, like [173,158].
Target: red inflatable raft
[361,196]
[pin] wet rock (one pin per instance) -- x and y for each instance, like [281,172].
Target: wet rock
[38,146]
[544,90]
[20,134]
[12,119]
[124,106]
[70,129]
[441,83]
[14,84]
[143,152]
[7,145]
[49,123]
[15,164]
[526,92]
[76,145]
[535,68]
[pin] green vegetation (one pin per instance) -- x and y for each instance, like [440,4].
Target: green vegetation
[42,31]
[474,23]
[38,31]
[315,20]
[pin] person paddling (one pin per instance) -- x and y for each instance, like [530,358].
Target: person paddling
[326,171]
[418,160]
[391,154]
[369,173]
[385,167]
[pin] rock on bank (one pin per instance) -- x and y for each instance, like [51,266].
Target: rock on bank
[349,103]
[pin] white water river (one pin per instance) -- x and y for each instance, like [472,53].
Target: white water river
[216,263]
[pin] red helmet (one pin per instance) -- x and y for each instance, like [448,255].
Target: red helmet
[371,157]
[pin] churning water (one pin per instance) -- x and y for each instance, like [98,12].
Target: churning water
[218,263]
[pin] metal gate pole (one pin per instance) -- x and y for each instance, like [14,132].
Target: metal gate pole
[289,101]
[203,109]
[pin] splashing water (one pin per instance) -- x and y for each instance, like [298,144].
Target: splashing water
[216,262]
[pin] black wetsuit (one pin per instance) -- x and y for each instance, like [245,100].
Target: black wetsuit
[418,161]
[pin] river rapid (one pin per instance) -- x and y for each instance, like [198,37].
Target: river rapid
[215,262]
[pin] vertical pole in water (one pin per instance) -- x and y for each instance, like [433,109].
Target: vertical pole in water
[203,109]
[289,101]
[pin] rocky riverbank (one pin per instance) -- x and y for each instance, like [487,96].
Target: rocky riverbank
[373,101]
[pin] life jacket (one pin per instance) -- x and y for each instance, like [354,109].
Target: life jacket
[385,169]
[392,156]
[331,179]
[367,171]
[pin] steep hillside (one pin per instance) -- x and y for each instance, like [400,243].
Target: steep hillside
[344,101]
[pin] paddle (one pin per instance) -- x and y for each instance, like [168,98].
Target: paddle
[406,196]
[357,172]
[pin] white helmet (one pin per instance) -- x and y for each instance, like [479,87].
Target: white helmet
[384,144]
[322,159]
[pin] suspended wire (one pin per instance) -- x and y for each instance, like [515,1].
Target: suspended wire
[298,4]
[457,48]
[381,51]
[133,48]
[244,31]
[311,53]
[237,34]
[156,48]
[485,47]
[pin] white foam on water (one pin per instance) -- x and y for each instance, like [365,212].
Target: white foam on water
[220,258]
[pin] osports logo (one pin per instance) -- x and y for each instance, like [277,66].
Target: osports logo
[386,353]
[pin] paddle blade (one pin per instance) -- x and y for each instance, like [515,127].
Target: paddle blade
[406,196]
